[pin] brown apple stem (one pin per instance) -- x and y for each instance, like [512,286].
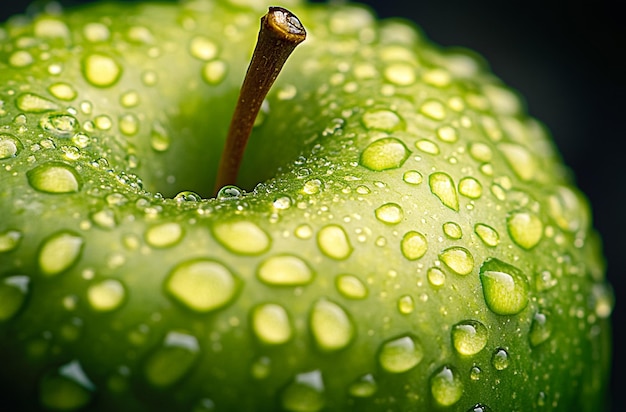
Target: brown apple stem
[280,33]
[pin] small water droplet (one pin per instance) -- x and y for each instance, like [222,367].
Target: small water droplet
[447,134]
[487,234]
[470,187]
[103,122]
[413,245]
[129,124]
[63,91]
[389,213]
[540,329]
[433,109]
[459,259]
[54,177]
[202,48]
[427,146]
[400,74]
[106,295]
[522,162]
[164,235]
[351,287]
[446,386]
[603,300]
[436,277]
[383,154]
[59,125]
[285,270]
[452,230]
[505,287]
[13,293]
[214,72]
[364,387]
[303,231]
[401,354]
[500,359]
[331,326]
[129,99]
[282,203]
[187,196]
[59,252]
[412,177]
[96,32]
[479,407]
[469,337]
[202,285]
[229,192]
[406,305]
[10,240]
[525,228]
[101,70]
[32,103]
[21,58]
[312,187]
[333,242]
[271,324]
[261,368]
[475,373]
[442,186]
[66,389]
[305,393]
[10,146]
[160,139]
[241,237]
[172,360]
[381,119]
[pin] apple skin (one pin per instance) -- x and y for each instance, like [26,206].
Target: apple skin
[374,139]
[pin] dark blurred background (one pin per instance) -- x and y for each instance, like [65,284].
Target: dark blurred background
[567,59]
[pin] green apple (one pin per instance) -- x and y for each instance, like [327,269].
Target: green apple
[402,236]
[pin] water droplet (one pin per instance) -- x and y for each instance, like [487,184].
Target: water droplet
[447,134]
[540,329]
[59,125]
[104,218]
[312,187]
[479,407]
[21,58]
[351,287]
[164,235]
[202,285]
[282,203]
[470,187]
[331,326]
[54,177]
[214,72]
[452,230]
[271,324]
[32,103]
[333,242]
[505,287]
[480,152]
[129,99]
[500,359]
[187,196]
[10,146]
[406,305]
[63,91]
[203,48]
[487,234]
[433,109]
[384,154]
[13,293]
[390,213]
[568,209]
[284,270]
[436,277]
[242,237]
[229,192]
[442,186]
[48,27]
[96,32]
[66,389]
[525,228]
[59,252]
[381,119]
[475,373]
[261,368]
[10,240]
[401,354]
[106,295]
[603,300]
[412,177]
[305,393]
[101,70]
[160,139]
[413,245]
[303,231]
[469,337]
[172,360]
[522,162]
[129,124]
[446,386]
[427,146]
[103,122]
[364,387]
[459,259]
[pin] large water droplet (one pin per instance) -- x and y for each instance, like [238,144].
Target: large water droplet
[436,277]
[285,270]
[164,235]
[172,360]
[459,259]
[63,91]
[305,393]
[13,293]
[412,177]
[452,230]
[241,237]
[384,154]
[331,326]
[32,103]
[59,125]
[442,186]
[469,337]
[487,234]
[202,285]
[10,146]
[470,187]
[10,240]
[401,354]
[333,242]
[101,70]
[54,177]
[505,287]
[446,386]
[540,329]
[525,228]
[500,359]
[59,252]
[413,245]
[381,119]
[390,213]
[351,287]
[106,295]
[271,324]
[67,389]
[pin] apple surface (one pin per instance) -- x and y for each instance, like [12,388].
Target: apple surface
[402,236]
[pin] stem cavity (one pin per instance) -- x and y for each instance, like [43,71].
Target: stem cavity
[280,33]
